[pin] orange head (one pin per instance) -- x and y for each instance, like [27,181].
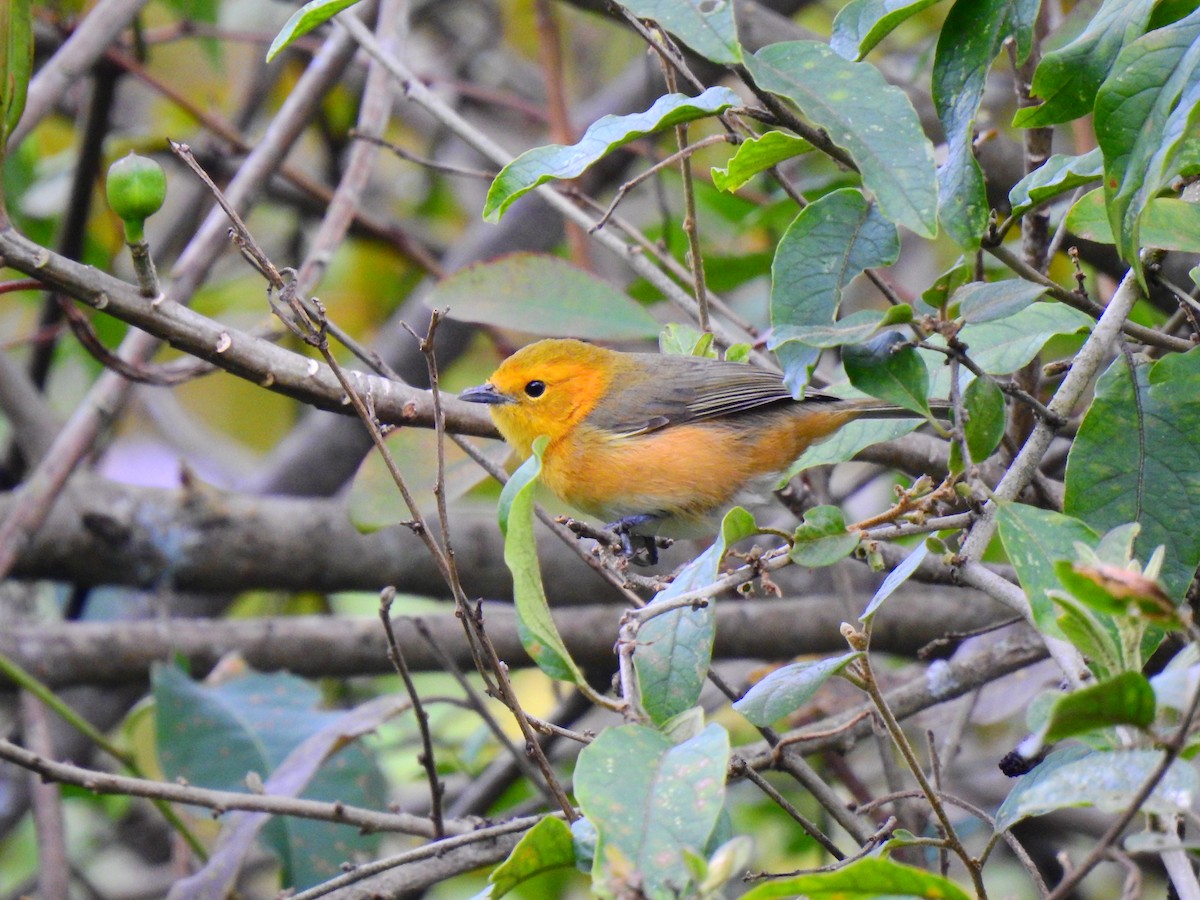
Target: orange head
[546,388]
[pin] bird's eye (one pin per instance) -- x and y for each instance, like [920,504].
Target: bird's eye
[535,388]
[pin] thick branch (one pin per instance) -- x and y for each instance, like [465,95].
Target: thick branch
[318,646]
[235,351]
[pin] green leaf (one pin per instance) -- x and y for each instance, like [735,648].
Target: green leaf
[1108,780]
[757,155]
[944,286]
[16,64]
[1055,176]
[829,243]
[305,19]
[555,161]
[1135,459]
[863,879]
[1007,344]
[862,24]
[1116,592]
[272,725]
[706,26]
[1067,78]
[787,689]
[547,845]
[894,579]
[1034,539]
[982,301]
[535,626]
[847,441]
[541,294]
[870,119]
[822,539]
[651,802]
[974,33]
[853,329]
[984,404]
[684,340]
[884,370]
[675,648]
[1167,222]
[1127,699]
[1144,110]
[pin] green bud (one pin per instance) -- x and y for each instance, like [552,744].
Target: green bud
[136,189]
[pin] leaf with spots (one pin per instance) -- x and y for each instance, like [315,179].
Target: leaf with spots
[675,648]
[870,119]
[1136,459]
[974,34]
[652,804]
[707,26]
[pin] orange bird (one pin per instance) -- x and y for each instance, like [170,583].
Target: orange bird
[653,443]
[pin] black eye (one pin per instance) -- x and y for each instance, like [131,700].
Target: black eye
[535,388]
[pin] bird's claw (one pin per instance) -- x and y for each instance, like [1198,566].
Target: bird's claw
[646,554]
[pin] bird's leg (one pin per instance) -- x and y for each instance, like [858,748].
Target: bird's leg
[623,529]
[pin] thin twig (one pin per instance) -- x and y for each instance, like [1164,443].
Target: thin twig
[222,801]
[679,156]
[426,758]
[811,828]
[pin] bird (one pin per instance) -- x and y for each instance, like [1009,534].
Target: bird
[656,444]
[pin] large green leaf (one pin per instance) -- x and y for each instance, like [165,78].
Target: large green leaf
[974,33]
[1034,539]
[675,648]
[535,626]
[271,725]
[1136,459]
[555,161]
[1167,223]
[861,24]
[849,440]
[830,242]
[652,803]
[1126,699]
[1108,780]
[1055,176]
[886,369]
[757,155]
[787,689]
[864,879]
[986,301]
[541,294]
[864,115]
[1005,345]
[1067,78]
[1144,111]
[983,402]
[546,846]
[706,26]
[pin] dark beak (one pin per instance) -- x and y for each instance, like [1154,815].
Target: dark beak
[484,393]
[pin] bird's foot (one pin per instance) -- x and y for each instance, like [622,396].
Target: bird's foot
[639,549]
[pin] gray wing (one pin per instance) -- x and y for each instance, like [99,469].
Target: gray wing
[689,389]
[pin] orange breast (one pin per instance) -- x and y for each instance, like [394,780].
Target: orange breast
[685,473]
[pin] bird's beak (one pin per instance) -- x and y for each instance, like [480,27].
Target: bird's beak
[484,393]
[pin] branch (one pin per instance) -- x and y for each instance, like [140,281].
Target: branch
[220,801]
[235,351]
[67,653]
[986,661]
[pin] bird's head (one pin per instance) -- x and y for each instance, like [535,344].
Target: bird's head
[545,388]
